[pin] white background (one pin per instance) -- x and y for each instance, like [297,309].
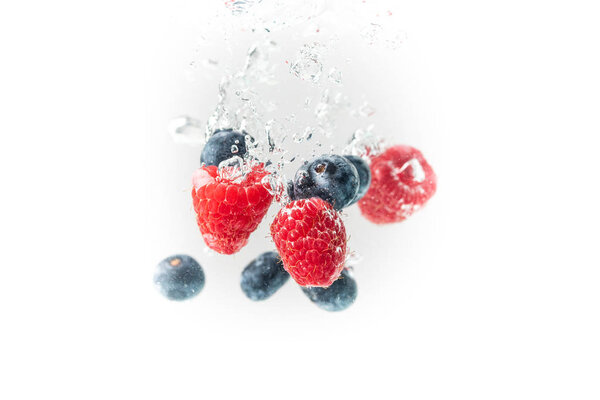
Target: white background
[491,292]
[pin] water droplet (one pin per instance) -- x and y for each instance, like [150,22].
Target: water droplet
[416,168]
[232,169]
[335,76]
[366,110]
[352,258]
[304,135]
[239,7]
[186,129]
[385,35]
[364,143]
[371,32]
[307,102]
[210,63]
[308,65]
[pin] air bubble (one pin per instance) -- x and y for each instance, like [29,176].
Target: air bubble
[335,76]
[366,110]
[364,143]
[309,66]
[232,169]
[275,184]
[353,258]
[418,172]
[239,7]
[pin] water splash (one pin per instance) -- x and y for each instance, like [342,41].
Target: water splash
[239,7]
[232,169]
[365,110]
[308,65]
[352,259]
[418,173]
[365,144]
[278,140]
[239,105]
[186,129]
[335,76]
[329,109]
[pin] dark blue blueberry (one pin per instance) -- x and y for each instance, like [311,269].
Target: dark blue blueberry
[364,176]
[223,145]
[337,297]
[263,276]
[329,177]
[179,277]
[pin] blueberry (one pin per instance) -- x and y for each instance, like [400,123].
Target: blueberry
[329,177]
[179,277]
[263,276]
[364,176]
[223,145]
[337,297]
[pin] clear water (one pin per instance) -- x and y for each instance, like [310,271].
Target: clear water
[288,132]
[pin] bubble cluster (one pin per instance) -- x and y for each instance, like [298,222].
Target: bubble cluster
[240,6]
[308,65]
[276,137]
[365,144]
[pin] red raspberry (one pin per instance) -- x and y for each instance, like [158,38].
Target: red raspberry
[311,239]
[229,211]
[401,183]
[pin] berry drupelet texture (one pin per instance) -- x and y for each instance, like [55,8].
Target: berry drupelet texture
[311,239]
[228,211]
[402,181]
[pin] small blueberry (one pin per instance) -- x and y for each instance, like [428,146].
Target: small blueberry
[263,276]
[179,277]
[337,297]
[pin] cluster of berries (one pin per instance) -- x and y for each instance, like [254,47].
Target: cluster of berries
[308,231]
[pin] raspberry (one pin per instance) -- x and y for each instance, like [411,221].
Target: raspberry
[229,211]
[311,239]
[401,183]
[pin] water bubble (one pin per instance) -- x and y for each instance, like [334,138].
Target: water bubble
[308,65]
[243,106]
[235,161]
[210,63]
[307,102]
[328,110]
[275,184]
[371,32]
[353,258]
[394,40]
[335,76]
[276,133]
[298,137]
[382,34]
[232,169]
[305,135]
[364,143]
[239,7]
[418,172]
[366,110]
